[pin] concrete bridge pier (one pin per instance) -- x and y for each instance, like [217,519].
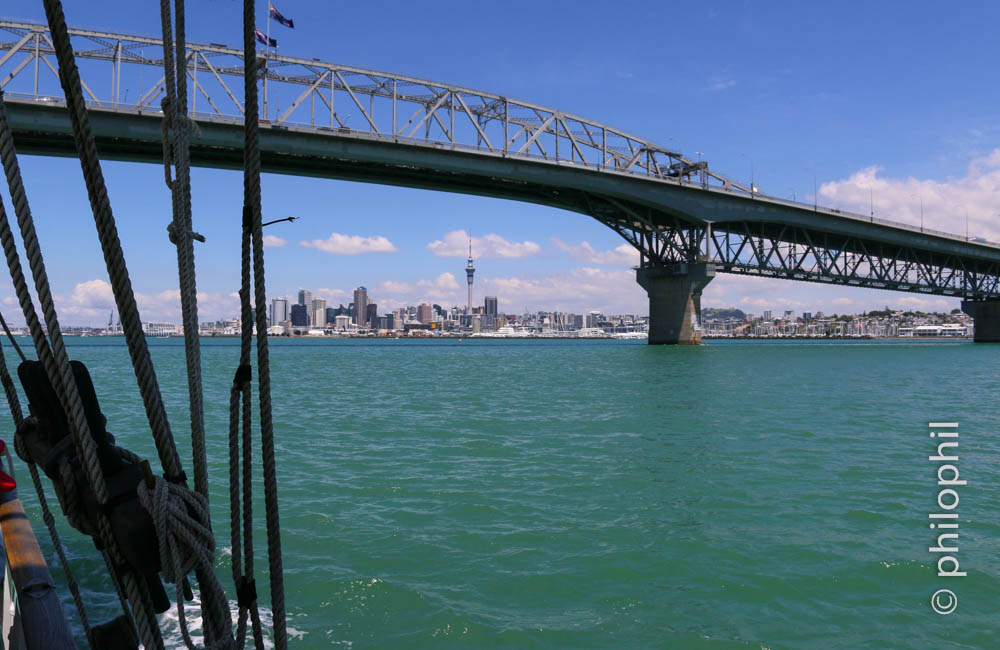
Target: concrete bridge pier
[675,301]
[986,317]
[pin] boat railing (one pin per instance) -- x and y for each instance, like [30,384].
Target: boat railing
[32,617]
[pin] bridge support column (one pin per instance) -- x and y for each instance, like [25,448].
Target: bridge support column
[675,301]
[986,317]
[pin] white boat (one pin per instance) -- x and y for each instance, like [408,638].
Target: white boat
[631,335]
[592,333]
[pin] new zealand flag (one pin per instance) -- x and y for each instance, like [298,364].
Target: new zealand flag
[264,40]
[287,22]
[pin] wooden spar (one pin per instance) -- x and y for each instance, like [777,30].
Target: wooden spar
[42,621]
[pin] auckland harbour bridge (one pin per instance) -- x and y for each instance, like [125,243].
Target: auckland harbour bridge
[322,119]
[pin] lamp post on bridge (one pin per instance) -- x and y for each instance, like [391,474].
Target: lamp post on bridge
[914,196]
[753,190]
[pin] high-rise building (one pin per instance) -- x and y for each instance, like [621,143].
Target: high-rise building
[300,316]
[371,315]
[318,312]
[305,299]
[491,306]
[767,315]
[425,313]
[470,270]
[360,306]
[279,310]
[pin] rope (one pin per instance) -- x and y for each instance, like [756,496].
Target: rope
[107,232]
[251,202]
[54,359]
[13,341]
[177,126]
[186,544]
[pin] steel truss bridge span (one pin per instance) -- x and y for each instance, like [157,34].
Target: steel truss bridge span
[327,120]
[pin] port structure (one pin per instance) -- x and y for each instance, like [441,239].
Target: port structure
[323,119]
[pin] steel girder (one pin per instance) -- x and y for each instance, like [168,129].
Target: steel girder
[796,253]
[324,96]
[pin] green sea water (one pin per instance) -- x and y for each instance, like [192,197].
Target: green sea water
[597,494]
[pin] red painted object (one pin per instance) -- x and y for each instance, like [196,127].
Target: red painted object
[6,482]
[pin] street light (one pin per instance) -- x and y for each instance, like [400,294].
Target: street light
[752,188]
[914,196]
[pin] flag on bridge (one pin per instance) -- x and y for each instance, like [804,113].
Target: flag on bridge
[287,22]
[264,40]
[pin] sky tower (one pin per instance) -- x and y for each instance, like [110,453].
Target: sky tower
[469,272]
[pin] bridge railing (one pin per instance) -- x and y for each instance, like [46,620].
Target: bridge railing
[123,71]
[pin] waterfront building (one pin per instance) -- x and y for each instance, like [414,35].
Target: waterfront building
[490,306]
[425,313]
[371,315]
[360,306]
[318,312]
[279,310]
[300,316]
[305,299]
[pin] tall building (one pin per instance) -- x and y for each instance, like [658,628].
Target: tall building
[371,315]
[360,306]
[300,316]
[305,299]
[469,272]
[279,310]
[318,312]
[425,313]
[490,306]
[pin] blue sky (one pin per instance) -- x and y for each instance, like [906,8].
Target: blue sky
[897,97]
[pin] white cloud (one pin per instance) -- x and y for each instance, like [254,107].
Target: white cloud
[330,294]
[445,281]
[755,294]
[579,290]
[624,255]
[338,244]
[721,84]
[93,294]
[391,286]
[273,241]
[925,304]
[944,203]
[91,302]
[456,244]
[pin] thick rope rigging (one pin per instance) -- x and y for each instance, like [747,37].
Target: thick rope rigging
[107,231]
[55,362]
[217,628]
[180,516]
[252,209]
[178,126]
[176,147]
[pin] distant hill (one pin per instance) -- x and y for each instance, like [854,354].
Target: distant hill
[731,313]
